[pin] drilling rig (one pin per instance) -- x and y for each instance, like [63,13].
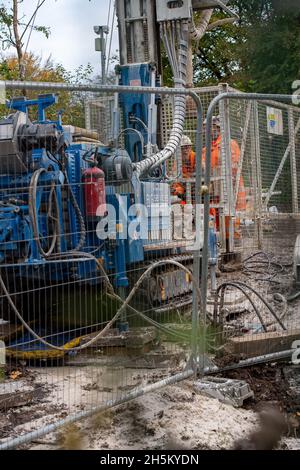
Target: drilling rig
[54,192]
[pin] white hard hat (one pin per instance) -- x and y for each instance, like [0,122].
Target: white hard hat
[185,141]
[215,120]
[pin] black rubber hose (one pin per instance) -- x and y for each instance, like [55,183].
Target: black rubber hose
[224,287]
[79,215]
[293,297]
[238,283]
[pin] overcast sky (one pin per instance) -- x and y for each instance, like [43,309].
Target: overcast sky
[71,42]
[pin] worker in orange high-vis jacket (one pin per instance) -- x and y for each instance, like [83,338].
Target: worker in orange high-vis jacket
[188,157]
[216,172]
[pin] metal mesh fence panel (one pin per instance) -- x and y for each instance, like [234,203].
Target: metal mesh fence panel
[89,317]
[255,151]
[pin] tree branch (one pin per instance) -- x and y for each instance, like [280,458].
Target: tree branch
[197,32]
[16,29]
[11,39]
[32,17]
[210,65]
[222,22]
[18,41]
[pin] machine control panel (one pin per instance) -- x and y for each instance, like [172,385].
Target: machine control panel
[168,10]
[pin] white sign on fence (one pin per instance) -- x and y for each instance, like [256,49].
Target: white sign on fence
[275,121]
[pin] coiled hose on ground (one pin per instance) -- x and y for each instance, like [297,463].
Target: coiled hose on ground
[261,263]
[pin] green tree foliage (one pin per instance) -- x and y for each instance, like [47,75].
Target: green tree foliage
[216,57]
[271,56]
[260,52]
[71,104]
[15,34]
[16,29]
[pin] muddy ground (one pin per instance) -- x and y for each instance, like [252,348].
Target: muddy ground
[175,417]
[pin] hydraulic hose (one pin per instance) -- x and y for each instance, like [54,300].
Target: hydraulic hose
[242,286]
[293,297]
[124,305]
[34,216]
[225,286]
[78,213]
[280,298]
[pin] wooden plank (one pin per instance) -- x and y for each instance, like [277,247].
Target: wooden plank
[15,394]
[263,343]
[8,330]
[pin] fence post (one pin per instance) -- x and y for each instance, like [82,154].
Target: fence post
[2,360]
[295,205]
[226,171]
[257,176]
[87,112]
[197,358]
[243,151]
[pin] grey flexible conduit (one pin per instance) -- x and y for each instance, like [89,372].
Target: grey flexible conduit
[179,66]
[197,32]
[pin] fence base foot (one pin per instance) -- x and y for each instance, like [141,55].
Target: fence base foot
[232,392]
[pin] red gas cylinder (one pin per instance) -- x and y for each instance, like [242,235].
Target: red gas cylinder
[94,192]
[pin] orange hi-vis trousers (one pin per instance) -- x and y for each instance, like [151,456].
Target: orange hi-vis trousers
[241,203]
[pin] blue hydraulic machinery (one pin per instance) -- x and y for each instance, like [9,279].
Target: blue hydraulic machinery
[56,195]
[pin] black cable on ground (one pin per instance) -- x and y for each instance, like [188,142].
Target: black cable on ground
[252,266]
[293,297]
[264,302]
[238,285]
[224,287]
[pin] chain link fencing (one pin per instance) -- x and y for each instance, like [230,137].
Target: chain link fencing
[254,206]
[88,323]
[90,317]
[255,306]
